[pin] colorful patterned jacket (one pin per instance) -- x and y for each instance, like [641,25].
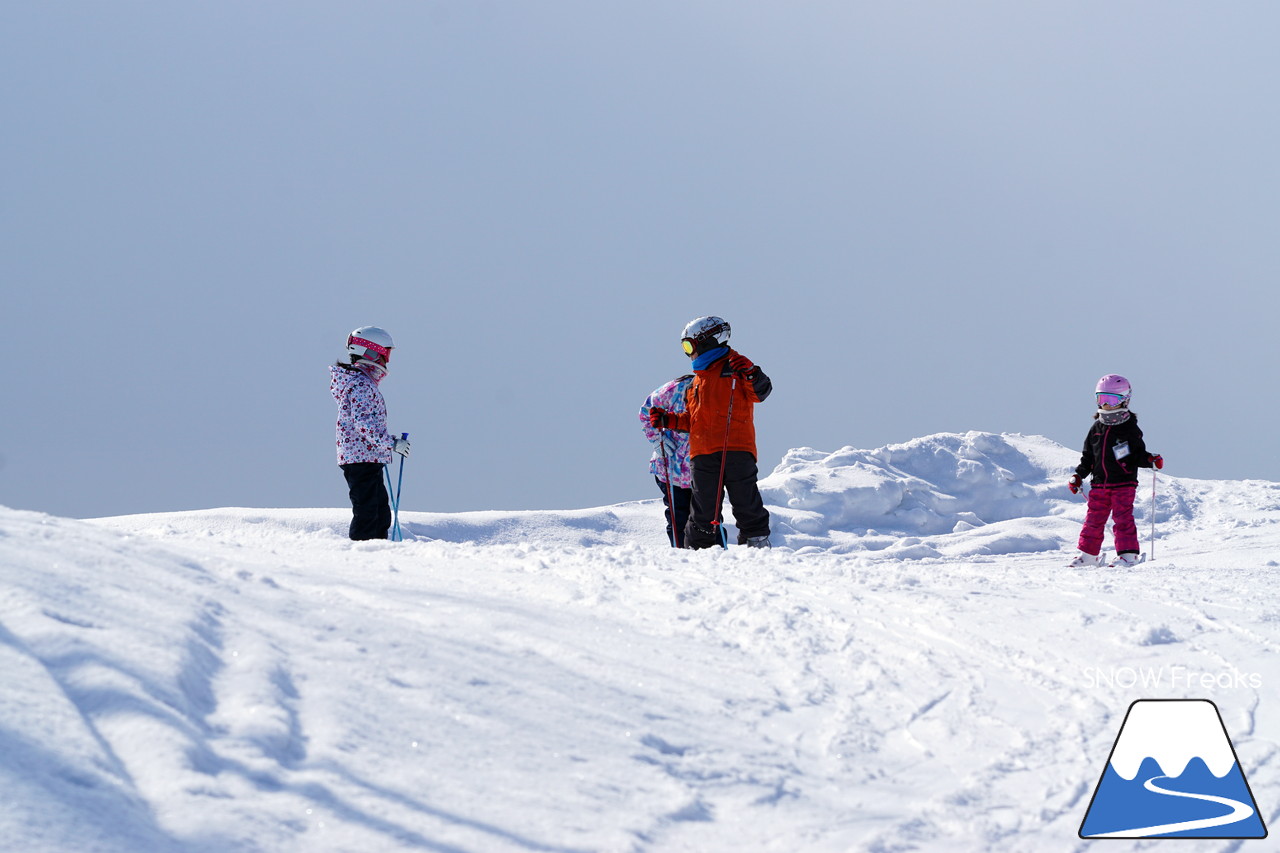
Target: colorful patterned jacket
[362,417]
[670,397]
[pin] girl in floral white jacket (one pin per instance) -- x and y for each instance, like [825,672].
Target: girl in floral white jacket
[364,445]
[669,464]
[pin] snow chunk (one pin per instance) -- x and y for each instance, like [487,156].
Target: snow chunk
[946,483]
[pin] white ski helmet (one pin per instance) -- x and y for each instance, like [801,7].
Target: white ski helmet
[704,333]
[370,343]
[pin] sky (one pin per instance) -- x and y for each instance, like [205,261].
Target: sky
[918,217]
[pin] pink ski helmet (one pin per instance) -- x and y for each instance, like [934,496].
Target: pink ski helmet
[1113,390]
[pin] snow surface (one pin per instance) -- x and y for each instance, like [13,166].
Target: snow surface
[912,669]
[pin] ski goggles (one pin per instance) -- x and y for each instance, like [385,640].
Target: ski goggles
[372,349]
[1111,400]
[690,346]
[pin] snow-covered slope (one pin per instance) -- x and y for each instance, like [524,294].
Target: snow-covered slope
[914,670]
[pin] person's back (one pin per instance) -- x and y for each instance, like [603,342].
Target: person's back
[721,405]
[669,462]
[720,420]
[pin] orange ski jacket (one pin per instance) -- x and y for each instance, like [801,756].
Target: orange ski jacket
[707,417]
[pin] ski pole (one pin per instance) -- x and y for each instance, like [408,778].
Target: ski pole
[671,494]
[1153,512]
[717,523]
[395,525]
[391,498]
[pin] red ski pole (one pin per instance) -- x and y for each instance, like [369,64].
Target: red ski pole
[671,494]
[724,453]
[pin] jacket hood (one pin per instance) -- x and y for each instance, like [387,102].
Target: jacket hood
[342,378]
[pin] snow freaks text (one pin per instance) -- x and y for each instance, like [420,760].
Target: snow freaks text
[1171,677]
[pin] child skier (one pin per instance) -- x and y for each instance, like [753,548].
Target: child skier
[669,464]
[720,419]
[364,445]
[1113,453]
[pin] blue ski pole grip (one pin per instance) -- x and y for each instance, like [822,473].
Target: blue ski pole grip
[404,435]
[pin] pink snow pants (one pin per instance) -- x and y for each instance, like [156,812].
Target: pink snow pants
[1117,502]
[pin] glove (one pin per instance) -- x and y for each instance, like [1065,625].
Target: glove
[665,444]
[1074,484]
[1157,460]
[739,363]
[658,418]
[402,447]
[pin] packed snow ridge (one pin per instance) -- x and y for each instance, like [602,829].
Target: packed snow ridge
[943,484]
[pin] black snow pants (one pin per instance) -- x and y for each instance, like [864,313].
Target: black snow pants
[740,475]
[370,506]
[682,497]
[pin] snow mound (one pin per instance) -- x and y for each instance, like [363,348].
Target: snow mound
[942,496]
[946,495]
[939,484]
[929,487]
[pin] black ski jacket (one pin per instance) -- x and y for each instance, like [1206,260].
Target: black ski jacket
[1113,454]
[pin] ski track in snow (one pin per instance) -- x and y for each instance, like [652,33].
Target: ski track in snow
[250,680]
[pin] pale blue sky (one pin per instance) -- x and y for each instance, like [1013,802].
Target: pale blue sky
[918,217]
